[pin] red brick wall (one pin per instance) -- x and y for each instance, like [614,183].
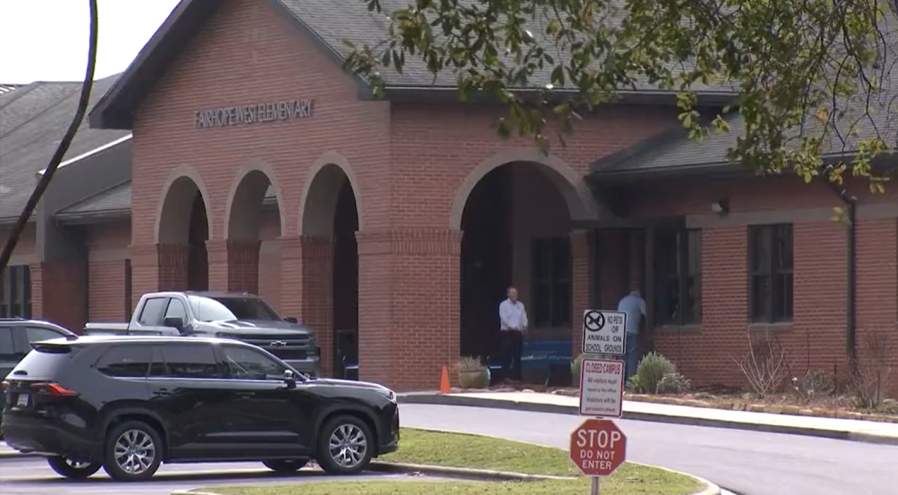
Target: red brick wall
[816,339]
[108,246]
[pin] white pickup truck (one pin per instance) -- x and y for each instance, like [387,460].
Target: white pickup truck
[238,316]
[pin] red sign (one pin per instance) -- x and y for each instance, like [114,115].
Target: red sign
[598,447]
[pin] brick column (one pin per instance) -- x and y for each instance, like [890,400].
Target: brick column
[156,267]
[409,327]
[234,265]
[581,285]
[65,284]
[307,288]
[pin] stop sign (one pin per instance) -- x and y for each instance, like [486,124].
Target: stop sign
[598,447]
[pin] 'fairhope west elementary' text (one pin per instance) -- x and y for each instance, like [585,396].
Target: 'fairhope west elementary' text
[253,114]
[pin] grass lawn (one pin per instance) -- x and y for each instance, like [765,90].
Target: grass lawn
[471,451]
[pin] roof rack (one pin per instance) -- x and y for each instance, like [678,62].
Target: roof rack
[12,318]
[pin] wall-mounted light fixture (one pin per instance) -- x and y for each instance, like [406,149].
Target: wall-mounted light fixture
[721,207]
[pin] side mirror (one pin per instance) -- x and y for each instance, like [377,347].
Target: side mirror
[289,378]
[291,319]
[174,322]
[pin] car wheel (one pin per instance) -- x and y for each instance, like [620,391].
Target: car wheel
[285,465]
[133,451]
[76,470]
[345,445]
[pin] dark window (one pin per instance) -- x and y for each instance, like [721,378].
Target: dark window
[250,364]
[551,282]
[770,265]
[126,361]
[152,311]
[678,274]
[37,334]
[190,361]
[15,292]
[232,309]
[128,307]
[7,347]
[176,309]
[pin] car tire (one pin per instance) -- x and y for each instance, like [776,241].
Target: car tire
[73,469]
[132,451]
[285,465]
[345,445]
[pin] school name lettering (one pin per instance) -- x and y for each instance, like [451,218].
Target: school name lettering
[253,114]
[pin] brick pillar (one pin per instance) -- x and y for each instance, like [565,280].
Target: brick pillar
[59,291]
[307,288]
[234,265]
[157,267]
[581,285]
[409,326]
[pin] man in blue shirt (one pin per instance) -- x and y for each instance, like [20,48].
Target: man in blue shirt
[634,306]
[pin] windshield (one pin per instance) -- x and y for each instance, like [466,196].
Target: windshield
[232,308]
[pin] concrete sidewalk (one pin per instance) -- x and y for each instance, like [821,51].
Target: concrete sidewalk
[842,429]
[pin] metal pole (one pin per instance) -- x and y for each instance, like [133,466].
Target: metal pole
[594,490]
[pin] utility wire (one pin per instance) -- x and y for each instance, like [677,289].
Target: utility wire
[64,144]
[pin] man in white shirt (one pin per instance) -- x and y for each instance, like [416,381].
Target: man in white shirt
[512,328]
[634,306]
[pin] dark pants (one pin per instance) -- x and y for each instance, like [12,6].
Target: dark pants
[632,357]
[511,343]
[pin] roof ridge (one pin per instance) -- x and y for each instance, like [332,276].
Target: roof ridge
[94,195]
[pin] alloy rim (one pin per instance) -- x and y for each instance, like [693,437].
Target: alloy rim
[348,445]
[134,451]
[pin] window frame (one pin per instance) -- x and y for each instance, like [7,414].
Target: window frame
[222,356]
[545,247]
[15,292]
[681,273]
[149,349]
[162,358]
[772,272]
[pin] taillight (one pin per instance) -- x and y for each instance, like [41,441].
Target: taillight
[4,385]
[53,389]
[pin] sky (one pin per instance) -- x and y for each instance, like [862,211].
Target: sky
[46,40]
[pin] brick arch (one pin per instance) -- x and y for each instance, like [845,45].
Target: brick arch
[320,191]
[570,184]
[178,193]
[244,205]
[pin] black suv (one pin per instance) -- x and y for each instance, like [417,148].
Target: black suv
[16,336]
[130,403]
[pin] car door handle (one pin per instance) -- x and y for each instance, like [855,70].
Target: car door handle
[162,391]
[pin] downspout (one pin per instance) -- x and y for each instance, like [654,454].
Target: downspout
[850,203]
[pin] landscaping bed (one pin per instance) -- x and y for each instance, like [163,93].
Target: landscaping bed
[476,452]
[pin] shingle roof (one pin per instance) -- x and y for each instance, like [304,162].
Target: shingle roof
[329,23]
[33,119]
[118,200]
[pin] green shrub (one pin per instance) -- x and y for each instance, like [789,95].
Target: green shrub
[650,371]
[673,383]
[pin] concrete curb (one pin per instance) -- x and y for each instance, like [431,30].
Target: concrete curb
[450,400]
[465,473]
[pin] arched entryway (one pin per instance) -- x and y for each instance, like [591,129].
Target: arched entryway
[184,235]
[517,218]
[252,230]
[330,221]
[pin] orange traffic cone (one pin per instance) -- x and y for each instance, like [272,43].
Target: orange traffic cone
[444,382]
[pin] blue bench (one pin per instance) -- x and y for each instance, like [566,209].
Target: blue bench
[546,355]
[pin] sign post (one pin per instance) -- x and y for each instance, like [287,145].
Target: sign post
[598,447]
